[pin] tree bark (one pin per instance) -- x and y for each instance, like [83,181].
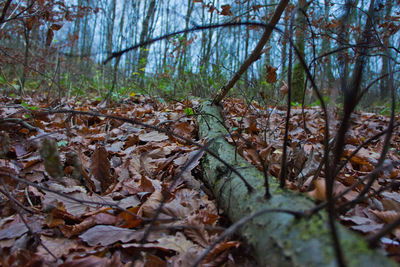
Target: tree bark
[144,52]
[298,77]
[278,238]
[384,83]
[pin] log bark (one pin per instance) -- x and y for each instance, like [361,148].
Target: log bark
[278,239]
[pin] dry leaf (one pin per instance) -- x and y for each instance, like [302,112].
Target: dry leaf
[319,193]
[153,136]
[271,76]
[106,235]
[387,216]
[284,89]
[100,168]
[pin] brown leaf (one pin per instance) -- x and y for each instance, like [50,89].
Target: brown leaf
[387,216]
[129,221]
[106,235]
[220,248]
[153,261]
[319,193]
[198,233]
[178,243]
[73,207]
[100,218]
[100,168]
[284,89]
[94,261]
[56,27]
[30,22]
[271,76]
[150,206]
[59,247]
[226,10]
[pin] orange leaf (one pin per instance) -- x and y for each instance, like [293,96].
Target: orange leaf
[319,193]
[271,74]
[129,221]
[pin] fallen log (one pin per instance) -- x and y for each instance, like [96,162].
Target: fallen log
[278,239]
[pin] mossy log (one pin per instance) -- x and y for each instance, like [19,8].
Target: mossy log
[278,239]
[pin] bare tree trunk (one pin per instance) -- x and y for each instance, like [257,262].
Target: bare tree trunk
[144,53]
[26,57]
[328,79]
[110,27]
[298,78]
[183,55]
[256,52]
[384,83]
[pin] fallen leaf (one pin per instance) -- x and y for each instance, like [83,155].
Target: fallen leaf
[319,193]
[153,136]
[100,168]
[106,235]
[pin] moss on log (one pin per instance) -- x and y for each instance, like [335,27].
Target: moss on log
[278,238]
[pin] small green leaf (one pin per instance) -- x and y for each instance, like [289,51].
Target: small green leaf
[2,79]
[189,111]
[24,104]
[62,143]
[33,108]
[234,128]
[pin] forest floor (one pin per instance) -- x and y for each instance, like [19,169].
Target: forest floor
[82,189]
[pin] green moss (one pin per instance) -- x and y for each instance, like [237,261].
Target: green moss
[312,226]
[298,83]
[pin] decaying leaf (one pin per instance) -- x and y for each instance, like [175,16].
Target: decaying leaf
[226,10]
[94,261]
[153,136]
[106,235]
[271,76]
[100,168]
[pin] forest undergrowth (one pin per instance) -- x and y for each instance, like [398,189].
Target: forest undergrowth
[80,185]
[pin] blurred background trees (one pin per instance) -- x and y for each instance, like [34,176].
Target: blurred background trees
[59,47]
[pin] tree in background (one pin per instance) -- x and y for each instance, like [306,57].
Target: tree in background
[298,78]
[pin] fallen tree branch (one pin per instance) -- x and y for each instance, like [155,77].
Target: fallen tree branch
[278,239]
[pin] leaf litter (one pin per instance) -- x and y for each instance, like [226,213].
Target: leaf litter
[97,183]
[107,180]
[265,133]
